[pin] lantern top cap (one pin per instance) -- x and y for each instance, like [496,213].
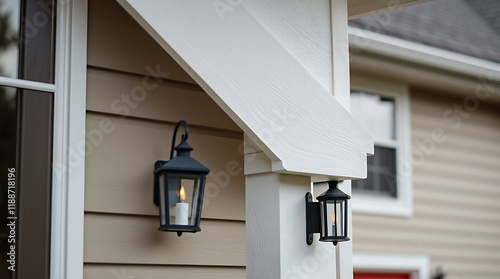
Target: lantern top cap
[333,193]
[183,162]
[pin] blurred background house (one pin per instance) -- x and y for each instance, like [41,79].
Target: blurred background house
[425,83]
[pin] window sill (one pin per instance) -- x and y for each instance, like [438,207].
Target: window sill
[373,205]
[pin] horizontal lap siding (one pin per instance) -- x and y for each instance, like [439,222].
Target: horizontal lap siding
[159,272]
[130,120]
[456,218]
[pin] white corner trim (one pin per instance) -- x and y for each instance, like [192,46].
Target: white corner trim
[401,206]
[417,265]
[69,141]
[27,84]
[422,54]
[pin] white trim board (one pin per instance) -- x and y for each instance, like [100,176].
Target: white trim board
[417,265]
[68,179]
[422,54]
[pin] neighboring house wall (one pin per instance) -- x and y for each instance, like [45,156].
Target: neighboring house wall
[130,120]
[456,191]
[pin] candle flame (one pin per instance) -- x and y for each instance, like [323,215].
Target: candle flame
[333,218]
[183,193]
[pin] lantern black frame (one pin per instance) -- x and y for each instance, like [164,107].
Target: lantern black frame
[182,165]
[317,217]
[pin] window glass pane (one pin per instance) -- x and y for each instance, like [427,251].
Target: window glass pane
[8,128]
[9,37]
[382,174]
[375,113]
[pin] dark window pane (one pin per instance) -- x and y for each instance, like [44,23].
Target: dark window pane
[26,118]
[35,180]
[382,174]
[375,113]
[9,36]
[37,39]
[8,128]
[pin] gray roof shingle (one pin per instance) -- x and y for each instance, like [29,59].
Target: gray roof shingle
[470,27]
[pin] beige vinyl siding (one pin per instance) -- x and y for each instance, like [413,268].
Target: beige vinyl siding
[127,134]
[456,218]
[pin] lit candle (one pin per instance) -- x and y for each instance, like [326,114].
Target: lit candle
[334,232]
[181,209]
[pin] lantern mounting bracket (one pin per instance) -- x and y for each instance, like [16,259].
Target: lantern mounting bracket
[313,220]
[184,136]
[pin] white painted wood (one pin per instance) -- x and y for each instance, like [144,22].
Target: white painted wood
[68,180]
[27,84]
[302,28]
[343,251]
[260,85]
[340,52]
[417,265]
[342,92]
[276,229]
[402,205]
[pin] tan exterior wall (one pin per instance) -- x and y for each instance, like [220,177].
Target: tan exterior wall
[456,218]
[130,120]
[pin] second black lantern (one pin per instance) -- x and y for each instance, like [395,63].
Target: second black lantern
[329,216]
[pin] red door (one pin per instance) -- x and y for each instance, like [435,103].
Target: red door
[381,276]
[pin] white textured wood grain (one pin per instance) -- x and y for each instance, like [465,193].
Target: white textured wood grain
[302,28]
[276,229]
[340,52]
[93,271]
[260,85]
[124,239]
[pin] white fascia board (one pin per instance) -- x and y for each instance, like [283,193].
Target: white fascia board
[300,126]
[421,54]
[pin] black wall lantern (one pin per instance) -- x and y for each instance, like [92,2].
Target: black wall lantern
[328,216]
[179,185]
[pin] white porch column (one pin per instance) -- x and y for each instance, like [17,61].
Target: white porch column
[276,225]
[341,91]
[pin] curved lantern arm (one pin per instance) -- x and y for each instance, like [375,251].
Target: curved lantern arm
[184,136]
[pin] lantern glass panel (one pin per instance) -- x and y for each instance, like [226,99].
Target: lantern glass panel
[163,208]
[333,218]
[183,192]
[335,213]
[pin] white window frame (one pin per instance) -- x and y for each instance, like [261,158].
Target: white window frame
[68,186]
[68,181]
[402,205]
[418,266]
